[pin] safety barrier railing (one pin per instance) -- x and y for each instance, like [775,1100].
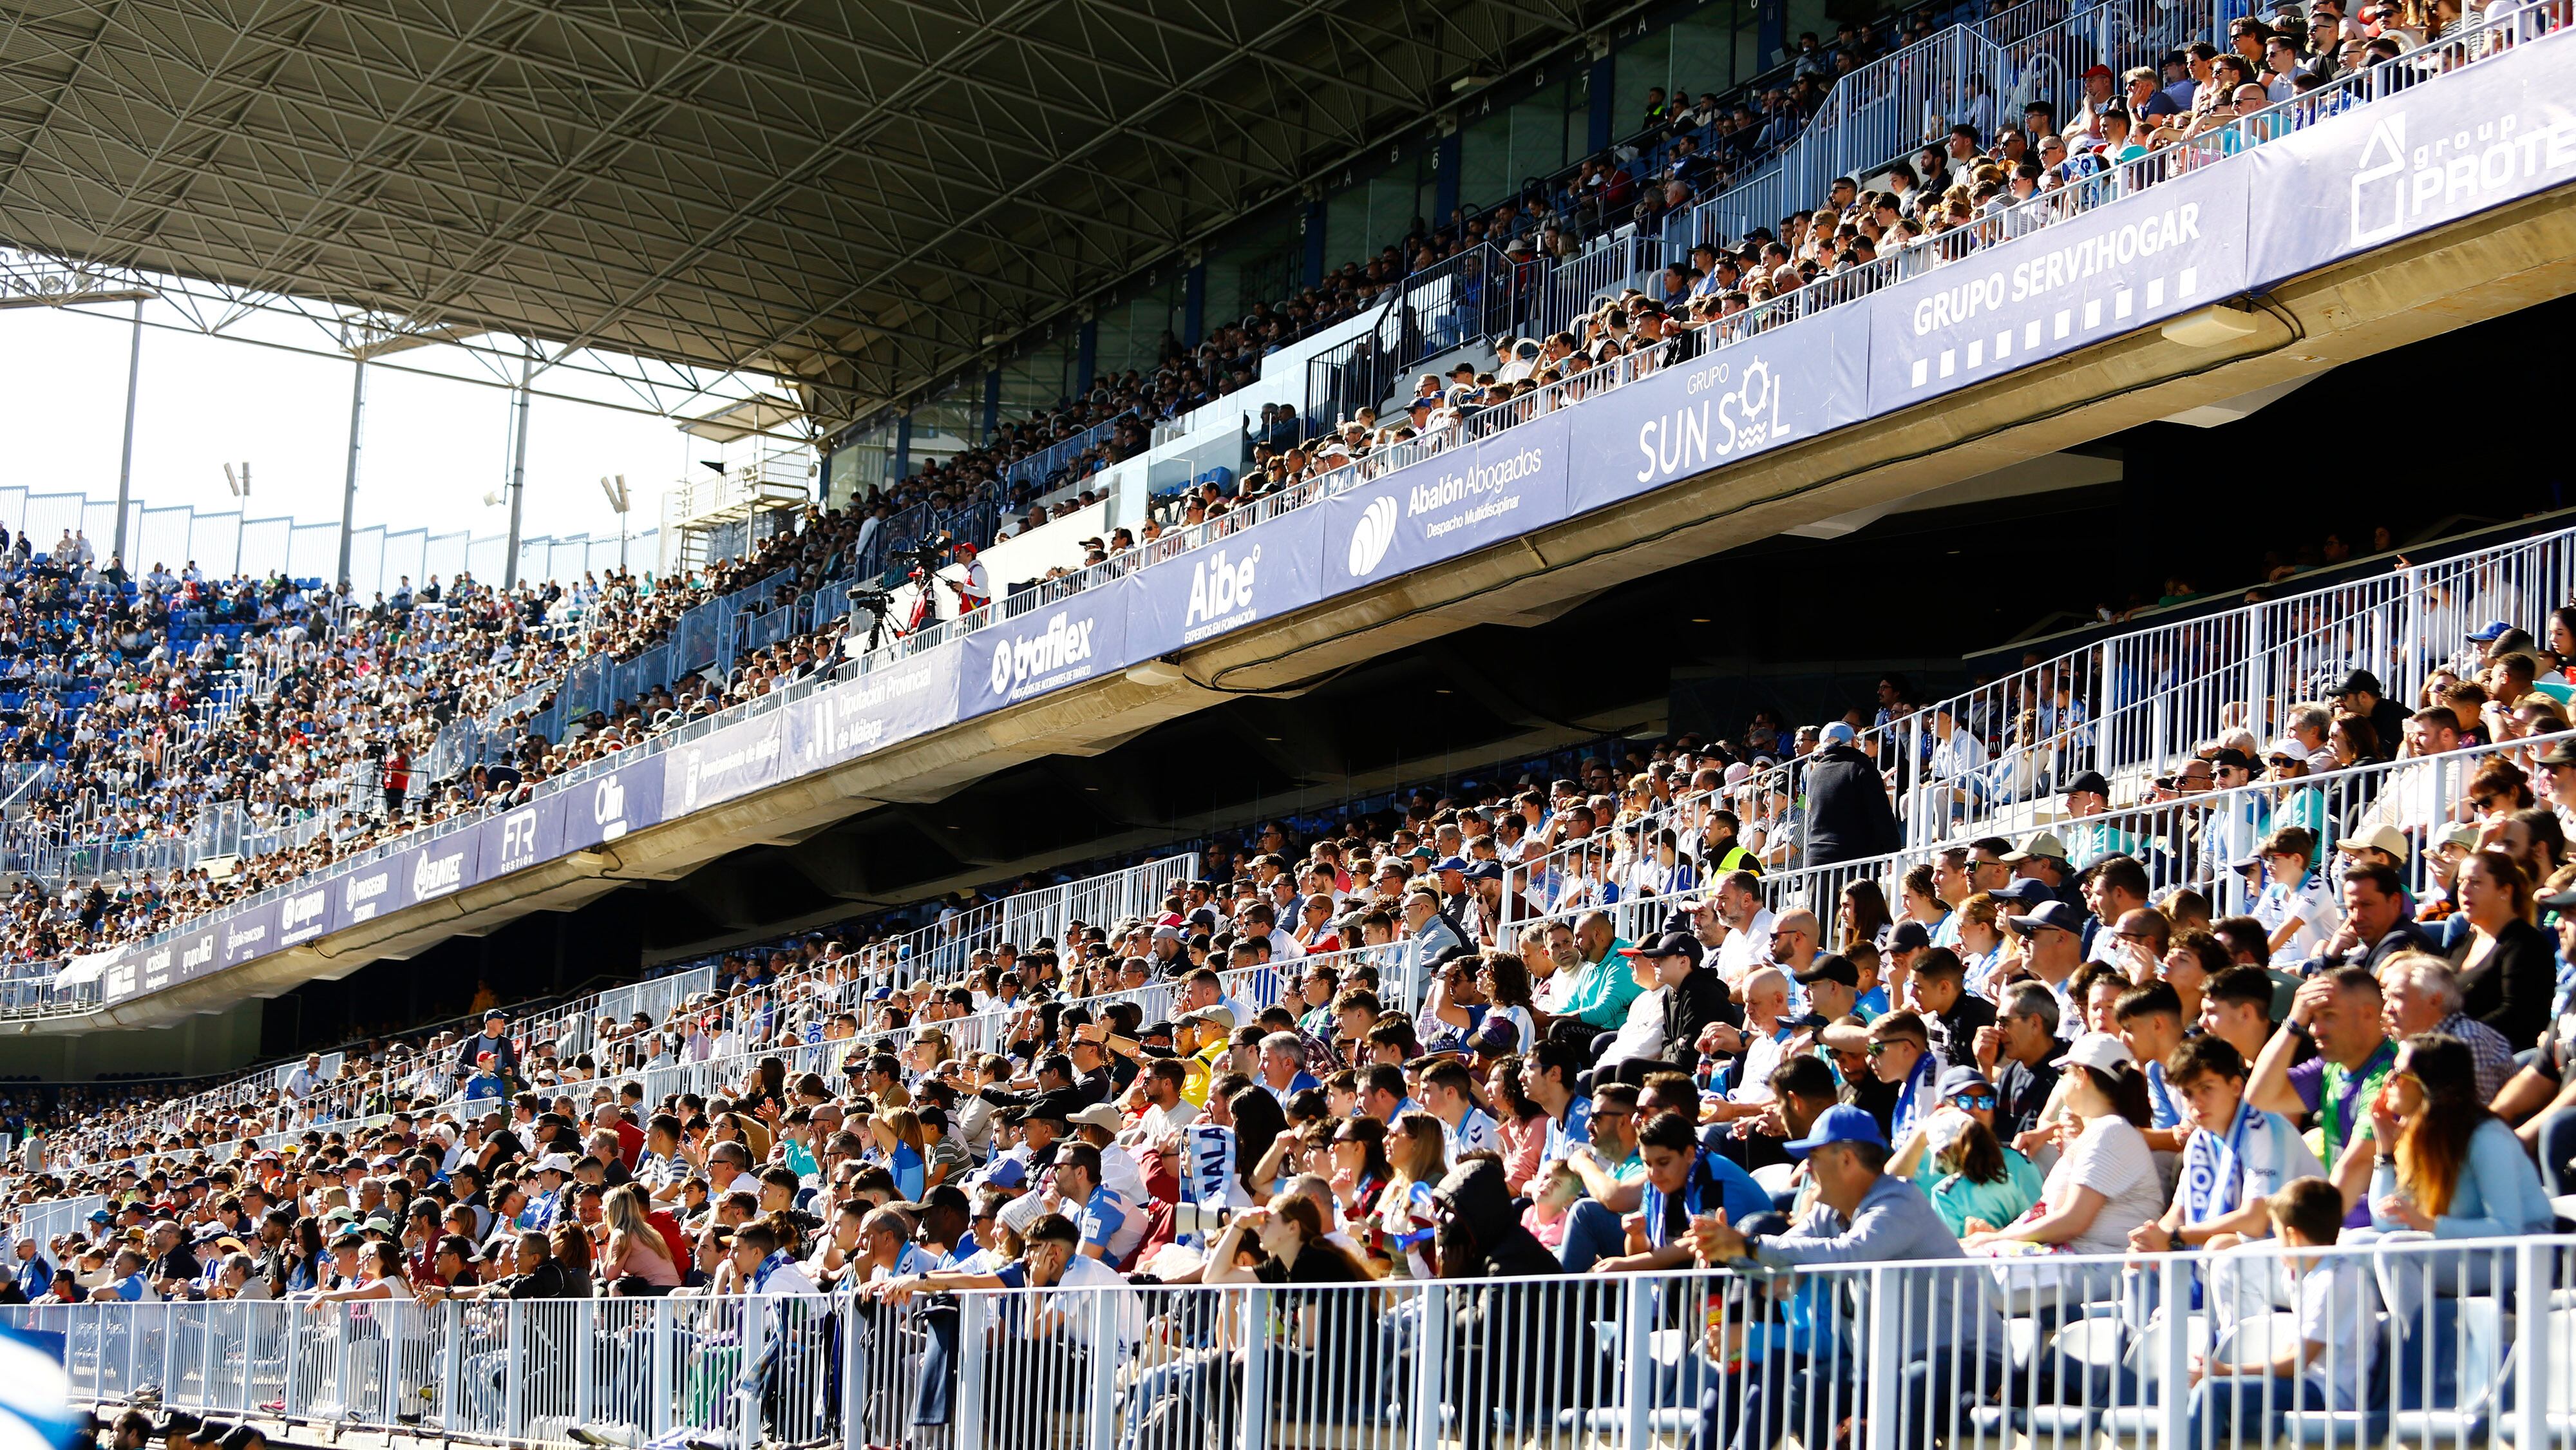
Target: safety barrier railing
[939,951]
[2146,696]
[1987,69]
[1038,468]
[2393,1339]
[2198,840]
[1358,372]
[49,1221]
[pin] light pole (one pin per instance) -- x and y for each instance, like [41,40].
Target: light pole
[617,501]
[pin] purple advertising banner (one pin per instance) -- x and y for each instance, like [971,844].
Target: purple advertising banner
[441,867]
[1045,649]
[362,895]
[1265,571]
[733,761]
[305,913]
[2447,147]
[606,807]
[1450,504]
[872,711]
[2176,247]
[250,932]
[516,840]
[1779,387]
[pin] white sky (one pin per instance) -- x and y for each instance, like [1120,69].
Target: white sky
[430,448]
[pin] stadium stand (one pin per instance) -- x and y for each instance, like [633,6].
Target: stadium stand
[2164,1040]
[549,680]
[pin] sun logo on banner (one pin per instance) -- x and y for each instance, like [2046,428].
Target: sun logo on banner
[1375,534]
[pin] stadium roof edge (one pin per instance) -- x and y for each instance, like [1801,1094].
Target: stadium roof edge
[851,198]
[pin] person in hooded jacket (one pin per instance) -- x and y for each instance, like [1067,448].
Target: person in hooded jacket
[1849,816]
[1492,1325]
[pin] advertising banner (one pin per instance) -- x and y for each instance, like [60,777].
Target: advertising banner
[441,867]
[1044,649]
[306,913]
[1265,571]
[2447,147]
[516,840]
[364,894]
[2176,247]
[1783,386]
[606,807]
[736,760]
[1447,505]
[872,711]
[250,932]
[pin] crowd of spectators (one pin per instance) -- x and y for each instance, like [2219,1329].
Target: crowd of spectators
[327,759]
[1580,1013]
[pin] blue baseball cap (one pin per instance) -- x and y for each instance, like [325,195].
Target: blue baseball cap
[2489,632]
[1452,863]
[1839,732]
[1841,1123]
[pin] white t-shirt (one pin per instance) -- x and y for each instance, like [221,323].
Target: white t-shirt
[2338,1305]
[2311,904]
[1743,951]
[1642,1034]
[2112,1159]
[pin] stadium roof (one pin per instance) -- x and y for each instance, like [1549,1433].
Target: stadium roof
[856,195]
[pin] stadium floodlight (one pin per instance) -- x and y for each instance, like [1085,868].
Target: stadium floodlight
[492,500]
[238,484]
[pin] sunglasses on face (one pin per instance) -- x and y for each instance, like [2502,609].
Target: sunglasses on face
[1979,1102]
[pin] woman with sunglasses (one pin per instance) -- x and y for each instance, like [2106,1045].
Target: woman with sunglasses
[1983,1194]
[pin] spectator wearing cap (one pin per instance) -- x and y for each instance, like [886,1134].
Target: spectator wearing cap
[1832,983]
[2105,1183]
[493,1039]
[2052,936]
[1641,1036]
[2557,767]
[2359,694]
[2087,795]
[1952,1343]
[1849,816]
[1976,1197]
[2042,858]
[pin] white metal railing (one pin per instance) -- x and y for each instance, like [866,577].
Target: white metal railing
[778,1015]
[2195,840]
[2133,702]
[2424,1342]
